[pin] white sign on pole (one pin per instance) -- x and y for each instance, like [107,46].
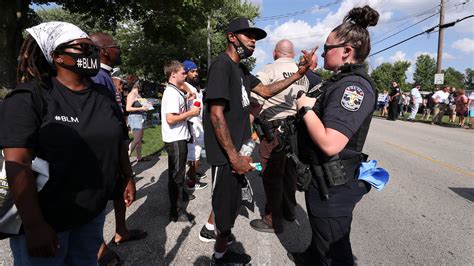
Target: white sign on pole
[439,79]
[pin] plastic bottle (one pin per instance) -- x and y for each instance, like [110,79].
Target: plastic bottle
[247,148]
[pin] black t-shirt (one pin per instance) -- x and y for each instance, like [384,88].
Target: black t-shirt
[231,82]
[80,134]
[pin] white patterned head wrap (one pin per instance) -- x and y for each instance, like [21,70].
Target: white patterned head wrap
[50,35]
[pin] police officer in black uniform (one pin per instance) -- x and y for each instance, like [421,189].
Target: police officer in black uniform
[331,135]
[393,102]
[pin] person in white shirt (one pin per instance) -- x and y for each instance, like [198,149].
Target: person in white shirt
[440,99]
[197,129]
[175,133]
[415,102]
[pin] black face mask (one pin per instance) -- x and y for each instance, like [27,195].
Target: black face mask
[87,64]
[242,50]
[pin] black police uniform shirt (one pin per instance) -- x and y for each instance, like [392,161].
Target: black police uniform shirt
[345,107]
[80,135]
[394,91]
[232,83]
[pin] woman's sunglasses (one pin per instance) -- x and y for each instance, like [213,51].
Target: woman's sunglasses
[86,48]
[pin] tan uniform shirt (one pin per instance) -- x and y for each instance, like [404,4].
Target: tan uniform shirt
[283,104]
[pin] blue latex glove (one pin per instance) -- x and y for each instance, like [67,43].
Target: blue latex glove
[377,177]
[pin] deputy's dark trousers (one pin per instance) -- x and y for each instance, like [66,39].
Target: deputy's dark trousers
[177,153]
[330,243]
[279,182]
[393,110]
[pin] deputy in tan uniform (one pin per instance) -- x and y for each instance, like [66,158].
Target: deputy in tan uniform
[275,115]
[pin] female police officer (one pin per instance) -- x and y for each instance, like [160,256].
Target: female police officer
[332,133]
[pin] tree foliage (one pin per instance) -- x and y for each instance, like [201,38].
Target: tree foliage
[425,70]
[150,32]
[385,73]
[469,79]
[452,77]
[324,74]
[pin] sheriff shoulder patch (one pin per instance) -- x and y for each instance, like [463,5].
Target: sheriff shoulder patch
[352,98]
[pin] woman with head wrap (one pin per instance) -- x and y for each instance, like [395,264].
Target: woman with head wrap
[57,113]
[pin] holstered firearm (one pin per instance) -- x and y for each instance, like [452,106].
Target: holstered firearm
[264,129]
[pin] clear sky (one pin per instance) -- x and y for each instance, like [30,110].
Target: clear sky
[307,23]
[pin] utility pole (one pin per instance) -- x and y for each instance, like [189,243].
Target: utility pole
[440,38]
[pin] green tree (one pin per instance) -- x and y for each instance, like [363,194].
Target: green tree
[399,71]
[469,78]
[162,30]
[452,77]
[85,22]
[425,70]
[383,76]
[324,74]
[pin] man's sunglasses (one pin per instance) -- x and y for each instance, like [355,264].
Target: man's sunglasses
[111,46]
[83,47]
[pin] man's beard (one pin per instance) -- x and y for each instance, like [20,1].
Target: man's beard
[193,81]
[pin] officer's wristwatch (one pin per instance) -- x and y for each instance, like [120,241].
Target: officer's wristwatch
[303,110]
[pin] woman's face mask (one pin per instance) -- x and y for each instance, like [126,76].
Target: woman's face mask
[86,61]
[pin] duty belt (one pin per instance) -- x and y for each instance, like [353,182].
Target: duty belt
[334,171]
[281,122]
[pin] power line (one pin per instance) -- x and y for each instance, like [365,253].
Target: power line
[402,30]
[412,16]
[292,14]
[430,30]
[447,8]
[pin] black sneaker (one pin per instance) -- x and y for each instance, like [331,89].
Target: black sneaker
[207,236]
[201,175]
[197,186]
[232,258]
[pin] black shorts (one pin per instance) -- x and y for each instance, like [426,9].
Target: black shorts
[226,197]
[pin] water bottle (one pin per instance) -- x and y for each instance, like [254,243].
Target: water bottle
[247,148]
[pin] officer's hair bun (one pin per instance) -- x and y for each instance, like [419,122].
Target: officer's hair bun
[363,16]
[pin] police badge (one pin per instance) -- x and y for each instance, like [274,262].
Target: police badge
[352,98]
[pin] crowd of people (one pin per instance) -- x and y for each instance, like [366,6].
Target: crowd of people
[445,101]
[83,109]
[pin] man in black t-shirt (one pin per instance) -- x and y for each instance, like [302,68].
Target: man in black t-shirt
[227,126]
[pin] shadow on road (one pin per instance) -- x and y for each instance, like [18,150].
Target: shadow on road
[465,192]
[153,217]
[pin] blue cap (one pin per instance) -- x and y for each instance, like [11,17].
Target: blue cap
[377,177]
[189,65]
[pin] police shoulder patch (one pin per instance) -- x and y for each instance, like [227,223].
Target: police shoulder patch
[352,98]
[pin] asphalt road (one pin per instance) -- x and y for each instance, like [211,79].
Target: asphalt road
[424,215]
